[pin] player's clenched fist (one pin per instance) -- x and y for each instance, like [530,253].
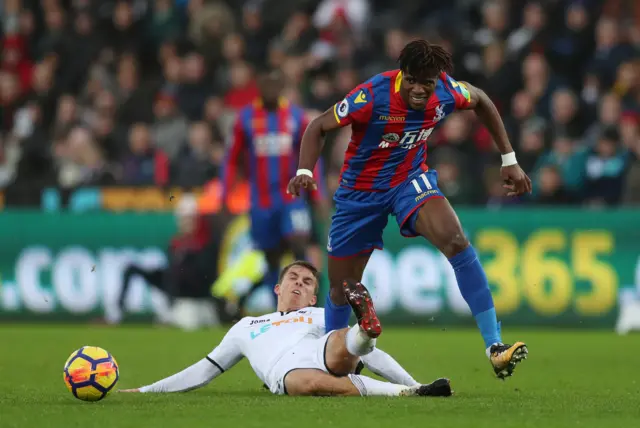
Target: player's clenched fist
[516,181]
[301,182]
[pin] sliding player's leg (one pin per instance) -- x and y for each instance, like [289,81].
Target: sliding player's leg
[356,230]
[423,210]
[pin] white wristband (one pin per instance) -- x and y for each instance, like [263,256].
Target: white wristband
[509,159]
[304,172]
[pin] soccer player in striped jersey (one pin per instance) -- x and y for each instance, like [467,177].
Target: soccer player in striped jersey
[385,172]
[267,135]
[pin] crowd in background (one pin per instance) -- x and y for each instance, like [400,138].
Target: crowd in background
[143,92]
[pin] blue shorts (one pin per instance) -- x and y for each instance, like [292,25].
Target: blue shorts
[360,217]
[270,226]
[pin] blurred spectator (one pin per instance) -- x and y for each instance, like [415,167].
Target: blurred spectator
[145,165]
[201,160]
[605,167]
[551,188]
[568,162]
[170,126]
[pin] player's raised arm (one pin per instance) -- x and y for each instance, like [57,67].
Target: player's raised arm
[222,358]
[468,97]
[355,108]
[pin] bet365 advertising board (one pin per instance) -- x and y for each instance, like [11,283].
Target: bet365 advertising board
[545,267]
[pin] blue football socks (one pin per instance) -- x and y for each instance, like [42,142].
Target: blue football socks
[474,288]
[336,316]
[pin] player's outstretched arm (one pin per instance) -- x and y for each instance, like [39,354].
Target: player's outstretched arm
[385,366]
[310,149]
[516,181]
[222,358]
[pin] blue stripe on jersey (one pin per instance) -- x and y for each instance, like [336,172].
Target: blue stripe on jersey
[380,87]
[246,116]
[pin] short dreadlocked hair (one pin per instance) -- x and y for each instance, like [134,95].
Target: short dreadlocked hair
[424,60]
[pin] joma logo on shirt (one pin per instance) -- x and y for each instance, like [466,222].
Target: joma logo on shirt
[267,327]
[409,139]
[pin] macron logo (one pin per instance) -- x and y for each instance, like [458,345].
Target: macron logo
[361,98]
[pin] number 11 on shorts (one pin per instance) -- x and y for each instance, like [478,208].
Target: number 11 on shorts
[416,184]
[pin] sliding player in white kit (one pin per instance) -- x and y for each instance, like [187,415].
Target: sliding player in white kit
[290,352]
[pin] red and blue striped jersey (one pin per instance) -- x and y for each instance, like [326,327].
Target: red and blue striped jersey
[269,141]
[388,140]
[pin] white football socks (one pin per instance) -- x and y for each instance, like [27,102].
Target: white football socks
[358,343]
[385,366]
[369,387]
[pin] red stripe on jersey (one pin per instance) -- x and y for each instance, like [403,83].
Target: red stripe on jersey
[259,125]
[379,156]
[284,115]
[358,128]
[352,149]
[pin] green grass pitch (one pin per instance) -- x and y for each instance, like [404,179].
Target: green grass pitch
[571,379]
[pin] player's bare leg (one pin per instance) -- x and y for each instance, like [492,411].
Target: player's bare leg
[318,383]
[439,224]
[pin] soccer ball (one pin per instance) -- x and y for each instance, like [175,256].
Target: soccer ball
[90,373]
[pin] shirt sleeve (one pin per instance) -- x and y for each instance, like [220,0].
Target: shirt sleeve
[222,358]
[356,107]
[228,353]
[193,377]
[460,93]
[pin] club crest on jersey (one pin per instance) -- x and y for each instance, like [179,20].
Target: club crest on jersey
[440,114]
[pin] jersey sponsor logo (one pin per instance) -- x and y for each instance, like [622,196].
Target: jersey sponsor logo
[407,141]
[391,137]
[343,109]
[392,118]
[266,327]
[361,98]
[439,113]
[425,194]
[273,144]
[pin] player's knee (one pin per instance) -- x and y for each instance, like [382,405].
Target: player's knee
[455,243]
